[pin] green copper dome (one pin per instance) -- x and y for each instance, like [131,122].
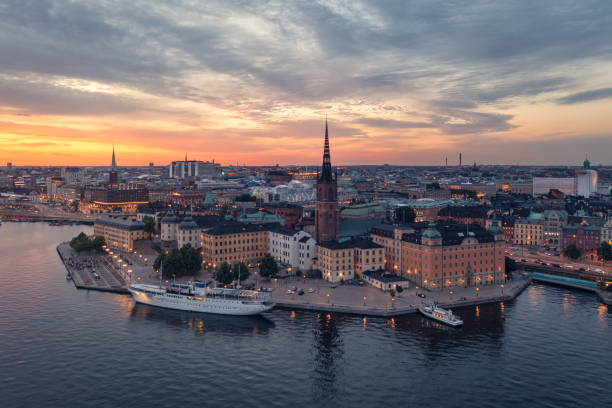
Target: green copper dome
[431,232]
[170,217]
[188,223]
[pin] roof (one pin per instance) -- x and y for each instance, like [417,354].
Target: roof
[349,243]
[452,234]
[470,212]
[260,216]
[383,276]
[120,222]
[357,227]
[233,227]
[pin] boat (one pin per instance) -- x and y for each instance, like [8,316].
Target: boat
[435,312]
[198,297]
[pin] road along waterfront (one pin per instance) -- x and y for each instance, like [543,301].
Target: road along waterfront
[62,347]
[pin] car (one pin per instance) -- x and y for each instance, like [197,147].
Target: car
[334,286]
[581,269]
[310,290]
[523,260]
[289,291]
[421,295]
[544,264]
[293,288]
[568,266]
[300,291]
[556,265]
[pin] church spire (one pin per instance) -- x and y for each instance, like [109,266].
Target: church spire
[113,162]
[326,170]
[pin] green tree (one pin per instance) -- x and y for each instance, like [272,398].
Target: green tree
[268,266]
[174,264]
[241,272]
[82,243]
[223,210]
[604,252]
[149,224]
[245,197]
[399,289]
[510,265]
[404,215]
[192,259]
[572,252]
[224,274]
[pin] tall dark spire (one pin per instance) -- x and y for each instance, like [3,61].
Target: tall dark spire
[326,170]
[113,162]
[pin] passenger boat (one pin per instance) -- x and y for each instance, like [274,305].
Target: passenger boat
[441,315]
[197,297]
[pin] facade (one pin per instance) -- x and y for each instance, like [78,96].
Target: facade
[553,223]
[385,281]
[426,209]
[529,231]
[464,215]
[73,175]
[448,255]
[234,242]
[344,260]
[191,168]
[543,185]
[327,221]
[293,248]
[586,180]
[606,232]
[290,213]
[585,236]
[119,232]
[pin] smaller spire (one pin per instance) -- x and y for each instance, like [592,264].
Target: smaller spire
[113,162]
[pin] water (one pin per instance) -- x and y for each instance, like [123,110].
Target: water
[65,347]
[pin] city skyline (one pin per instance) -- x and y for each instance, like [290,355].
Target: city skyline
[404,84]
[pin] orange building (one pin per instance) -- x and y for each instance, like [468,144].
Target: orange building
[234,242]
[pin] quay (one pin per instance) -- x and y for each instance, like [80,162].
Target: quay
[561,280]
[82,273]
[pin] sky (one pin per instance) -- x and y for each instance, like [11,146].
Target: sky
[251,82]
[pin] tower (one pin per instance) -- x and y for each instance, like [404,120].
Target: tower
[459,159]
[327,223]
[113,177]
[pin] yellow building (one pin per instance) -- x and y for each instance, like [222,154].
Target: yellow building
[119,232]
[345,260]
[234,243]
[528,232]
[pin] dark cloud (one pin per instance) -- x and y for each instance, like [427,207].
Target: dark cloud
[586,96]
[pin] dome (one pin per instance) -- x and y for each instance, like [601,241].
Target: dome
[170,217]
[431,232]
[188,223]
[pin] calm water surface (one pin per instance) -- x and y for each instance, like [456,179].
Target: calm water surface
[59,346]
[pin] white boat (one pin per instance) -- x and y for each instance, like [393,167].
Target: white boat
[441,315]
[197,297]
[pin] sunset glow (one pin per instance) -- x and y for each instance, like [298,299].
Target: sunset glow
[251,84]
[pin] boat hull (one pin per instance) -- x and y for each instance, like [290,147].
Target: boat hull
[206,305]
[439,319]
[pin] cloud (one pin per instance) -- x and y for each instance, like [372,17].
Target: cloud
[392,123]
[586,96]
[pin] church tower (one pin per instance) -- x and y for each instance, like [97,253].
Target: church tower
[327,223]
[113,177]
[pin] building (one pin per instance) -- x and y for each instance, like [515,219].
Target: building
[586,180]
[606,232]
[234,242]
[553,223]
[342,260]
[426,209]
[385,281]
[119,232]
[543,185]
[191,168]
[294,248]
[445,256]
[327,221]
[530,230]
[290,213]
[465,215]
[73,175]
[586,236]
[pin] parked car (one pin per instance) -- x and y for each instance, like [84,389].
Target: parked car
[421,295]
[300,291]
[334,286]
[310,290]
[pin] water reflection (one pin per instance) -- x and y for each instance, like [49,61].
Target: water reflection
[202,323]
[328,355]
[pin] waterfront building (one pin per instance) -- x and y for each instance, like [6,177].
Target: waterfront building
[445,256]
[327,221]
[293,248]
[234,242]
[341,260]
[119,232]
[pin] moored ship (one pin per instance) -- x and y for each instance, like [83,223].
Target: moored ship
[441,315]
[197,297]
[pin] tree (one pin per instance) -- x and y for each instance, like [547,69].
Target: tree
[241,272]
[572,252]
[224,274]
[223,210]
[149,224]
[82,243]
[192,259]
[173,264]
[399,289]
[404,215]
[268,266]
[245,197]
[604,252]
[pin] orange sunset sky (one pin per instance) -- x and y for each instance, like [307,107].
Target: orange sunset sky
[407,82]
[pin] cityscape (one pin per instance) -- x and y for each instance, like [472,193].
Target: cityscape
[402,233]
